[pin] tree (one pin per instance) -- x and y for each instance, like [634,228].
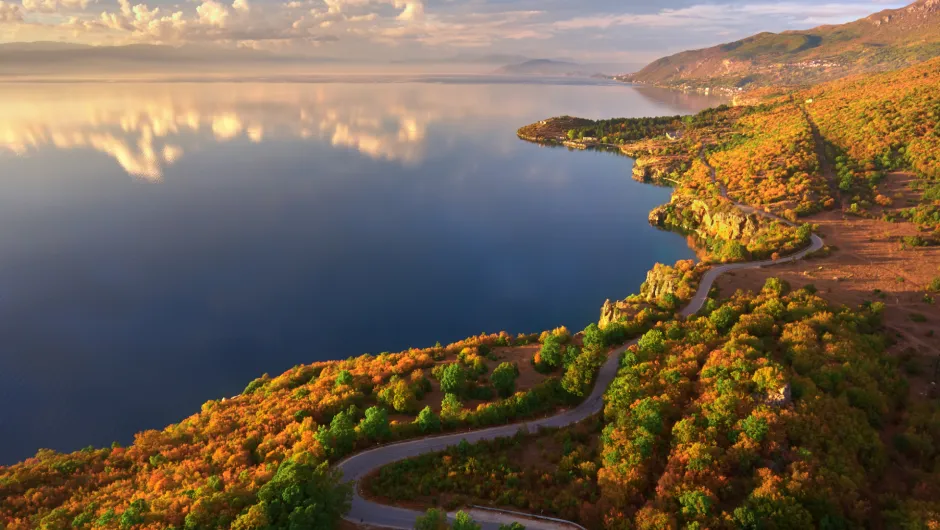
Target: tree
[504,378]
[344,378]
[303,495]
[756,428]
[571,353]
[549,357]
[338,438]
[399,394]
[433,519]
[375,424]
[594,338]
[451,408]
[723,318]
[653,342]
[453,379]
[462,521]
[513,526]
[572,134]
[578,377]
[428,421]
[133,515]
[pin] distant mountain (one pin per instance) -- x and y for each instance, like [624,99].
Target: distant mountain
[500,58]
[887,40]
[545,67]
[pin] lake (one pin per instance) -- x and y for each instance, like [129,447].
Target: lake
[164,244]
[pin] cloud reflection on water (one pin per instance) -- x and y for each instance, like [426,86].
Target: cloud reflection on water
[146,128]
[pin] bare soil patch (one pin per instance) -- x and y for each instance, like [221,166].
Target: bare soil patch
[868,265]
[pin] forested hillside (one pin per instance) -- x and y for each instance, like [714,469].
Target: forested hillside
[767,410]
[887,40]
[774,409]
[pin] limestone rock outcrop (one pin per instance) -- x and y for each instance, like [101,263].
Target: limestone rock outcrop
[723,221]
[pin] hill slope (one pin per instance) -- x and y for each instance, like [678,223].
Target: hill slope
[886,40]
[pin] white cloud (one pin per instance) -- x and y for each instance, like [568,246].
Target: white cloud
[212,13]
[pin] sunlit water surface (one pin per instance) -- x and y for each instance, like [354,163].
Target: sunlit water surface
[163,244]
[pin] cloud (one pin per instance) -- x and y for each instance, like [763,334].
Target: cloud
[212,13]
[711,16]
[10,13]
[53,6]
[470,30]
[401,29]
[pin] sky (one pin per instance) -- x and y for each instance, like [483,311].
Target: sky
[598,31]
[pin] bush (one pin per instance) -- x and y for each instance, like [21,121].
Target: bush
[464,522]
[934,285]
[433,519]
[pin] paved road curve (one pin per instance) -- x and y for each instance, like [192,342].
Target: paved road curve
[358,466]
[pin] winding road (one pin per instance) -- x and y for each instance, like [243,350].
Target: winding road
[356,467]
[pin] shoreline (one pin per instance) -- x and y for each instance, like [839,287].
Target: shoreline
[361,465]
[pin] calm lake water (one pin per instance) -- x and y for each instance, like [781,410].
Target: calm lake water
[164,244]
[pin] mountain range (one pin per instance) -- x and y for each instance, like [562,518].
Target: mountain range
[886,40]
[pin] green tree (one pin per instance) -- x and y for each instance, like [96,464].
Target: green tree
[513,526]
[428,421]
[344,378]
[572,134]
[375,424]
[302,495]
[579,376]
[571,353]
[695,504]
[462,521]
[504,378]
[453,379]
[594,338]
[433,519]
[451,408]
[653,342]
[756,428]
[776,286]
[549,357]
[133,515]
[723,318]
[338,438]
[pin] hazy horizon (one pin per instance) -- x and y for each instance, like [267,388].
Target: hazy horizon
[624,36]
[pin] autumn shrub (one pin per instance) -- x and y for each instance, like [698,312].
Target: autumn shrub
[934,285]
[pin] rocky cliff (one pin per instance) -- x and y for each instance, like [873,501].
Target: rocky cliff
[665,288]
[721,219]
